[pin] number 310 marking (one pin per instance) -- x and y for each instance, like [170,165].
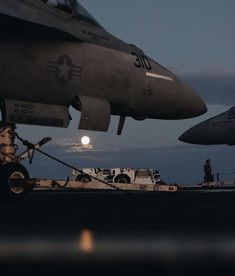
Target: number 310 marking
[142,62]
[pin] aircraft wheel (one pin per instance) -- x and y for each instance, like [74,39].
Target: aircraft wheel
[7,188]
[122,178]
[83,178]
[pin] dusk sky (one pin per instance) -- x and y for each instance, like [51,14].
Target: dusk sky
[193,38]
[185,35]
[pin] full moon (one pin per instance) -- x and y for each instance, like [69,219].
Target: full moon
[85,140]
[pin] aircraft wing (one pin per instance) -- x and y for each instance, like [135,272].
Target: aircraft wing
[36,14]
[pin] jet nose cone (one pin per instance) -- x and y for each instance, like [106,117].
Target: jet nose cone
[198,134]
[193,105]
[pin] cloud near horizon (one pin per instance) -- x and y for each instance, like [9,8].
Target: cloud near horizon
[182,164]
[214,87]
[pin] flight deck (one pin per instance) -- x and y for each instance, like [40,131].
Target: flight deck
[93,186]
[179,233]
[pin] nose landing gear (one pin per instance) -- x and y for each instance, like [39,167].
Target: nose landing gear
[11,171]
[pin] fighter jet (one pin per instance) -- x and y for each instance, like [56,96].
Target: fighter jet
[214,131]
[54,54]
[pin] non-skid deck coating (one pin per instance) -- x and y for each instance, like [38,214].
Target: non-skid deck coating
[165,233]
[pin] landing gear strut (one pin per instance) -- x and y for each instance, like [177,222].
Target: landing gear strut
[10,168]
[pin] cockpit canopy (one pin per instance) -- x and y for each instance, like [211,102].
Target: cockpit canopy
[73,7]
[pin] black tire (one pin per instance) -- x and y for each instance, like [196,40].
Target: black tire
[122,178]
[7,189]
[83,178]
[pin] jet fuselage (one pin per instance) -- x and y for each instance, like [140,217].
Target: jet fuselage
[217,130]
[85,66]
